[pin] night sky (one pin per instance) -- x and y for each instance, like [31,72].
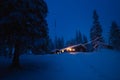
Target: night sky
[72,15]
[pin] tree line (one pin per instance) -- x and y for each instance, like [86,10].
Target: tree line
[96,36]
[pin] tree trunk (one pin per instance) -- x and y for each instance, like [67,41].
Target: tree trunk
[16,61]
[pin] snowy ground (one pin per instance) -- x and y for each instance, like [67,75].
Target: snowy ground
[102,65]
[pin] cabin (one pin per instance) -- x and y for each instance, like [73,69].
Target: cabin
[75,48]
[80,48]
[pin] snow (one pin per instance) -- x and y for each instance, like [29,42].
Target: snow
[99,65]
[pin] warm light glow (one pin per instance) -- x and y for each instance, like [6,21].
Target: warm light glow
[73,49]
[70,49]
[62,50]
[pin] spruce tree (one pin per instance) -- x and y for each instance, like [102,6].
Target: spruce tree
[78,38]
[59,42]
[51,45]
[96,30]
[23,25]
[86,44]
[85,40]
[114,37]
[71,42]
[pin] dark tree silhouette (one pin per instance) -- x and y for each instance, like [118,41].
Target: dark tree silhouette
[51,45]
[114,37]
[59,42]
[85,40]
[70,42]
[96,30]
[22,22]
[78,37]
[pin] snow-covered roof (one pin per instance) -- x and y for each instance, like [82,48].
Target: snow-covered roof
[74,46]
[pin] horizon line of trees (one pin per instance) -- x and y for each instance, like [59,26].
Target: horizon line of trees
[96,37]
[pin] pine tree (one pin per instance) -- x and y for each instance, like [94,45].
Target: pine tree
[62,42]
[86,44]
[70,42]
[85,40]
[51,45]
[96,30]
[114,37]
[78,38]
[59,42]
[22,23]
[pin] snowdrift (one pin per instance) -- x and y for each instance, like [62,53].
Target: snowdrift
[100,65]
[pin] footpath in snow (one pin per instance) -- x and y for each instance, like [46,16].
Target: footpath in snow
[101,65]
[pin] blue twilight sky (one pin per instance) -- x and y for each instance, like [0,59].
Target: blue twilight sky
[72,15]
